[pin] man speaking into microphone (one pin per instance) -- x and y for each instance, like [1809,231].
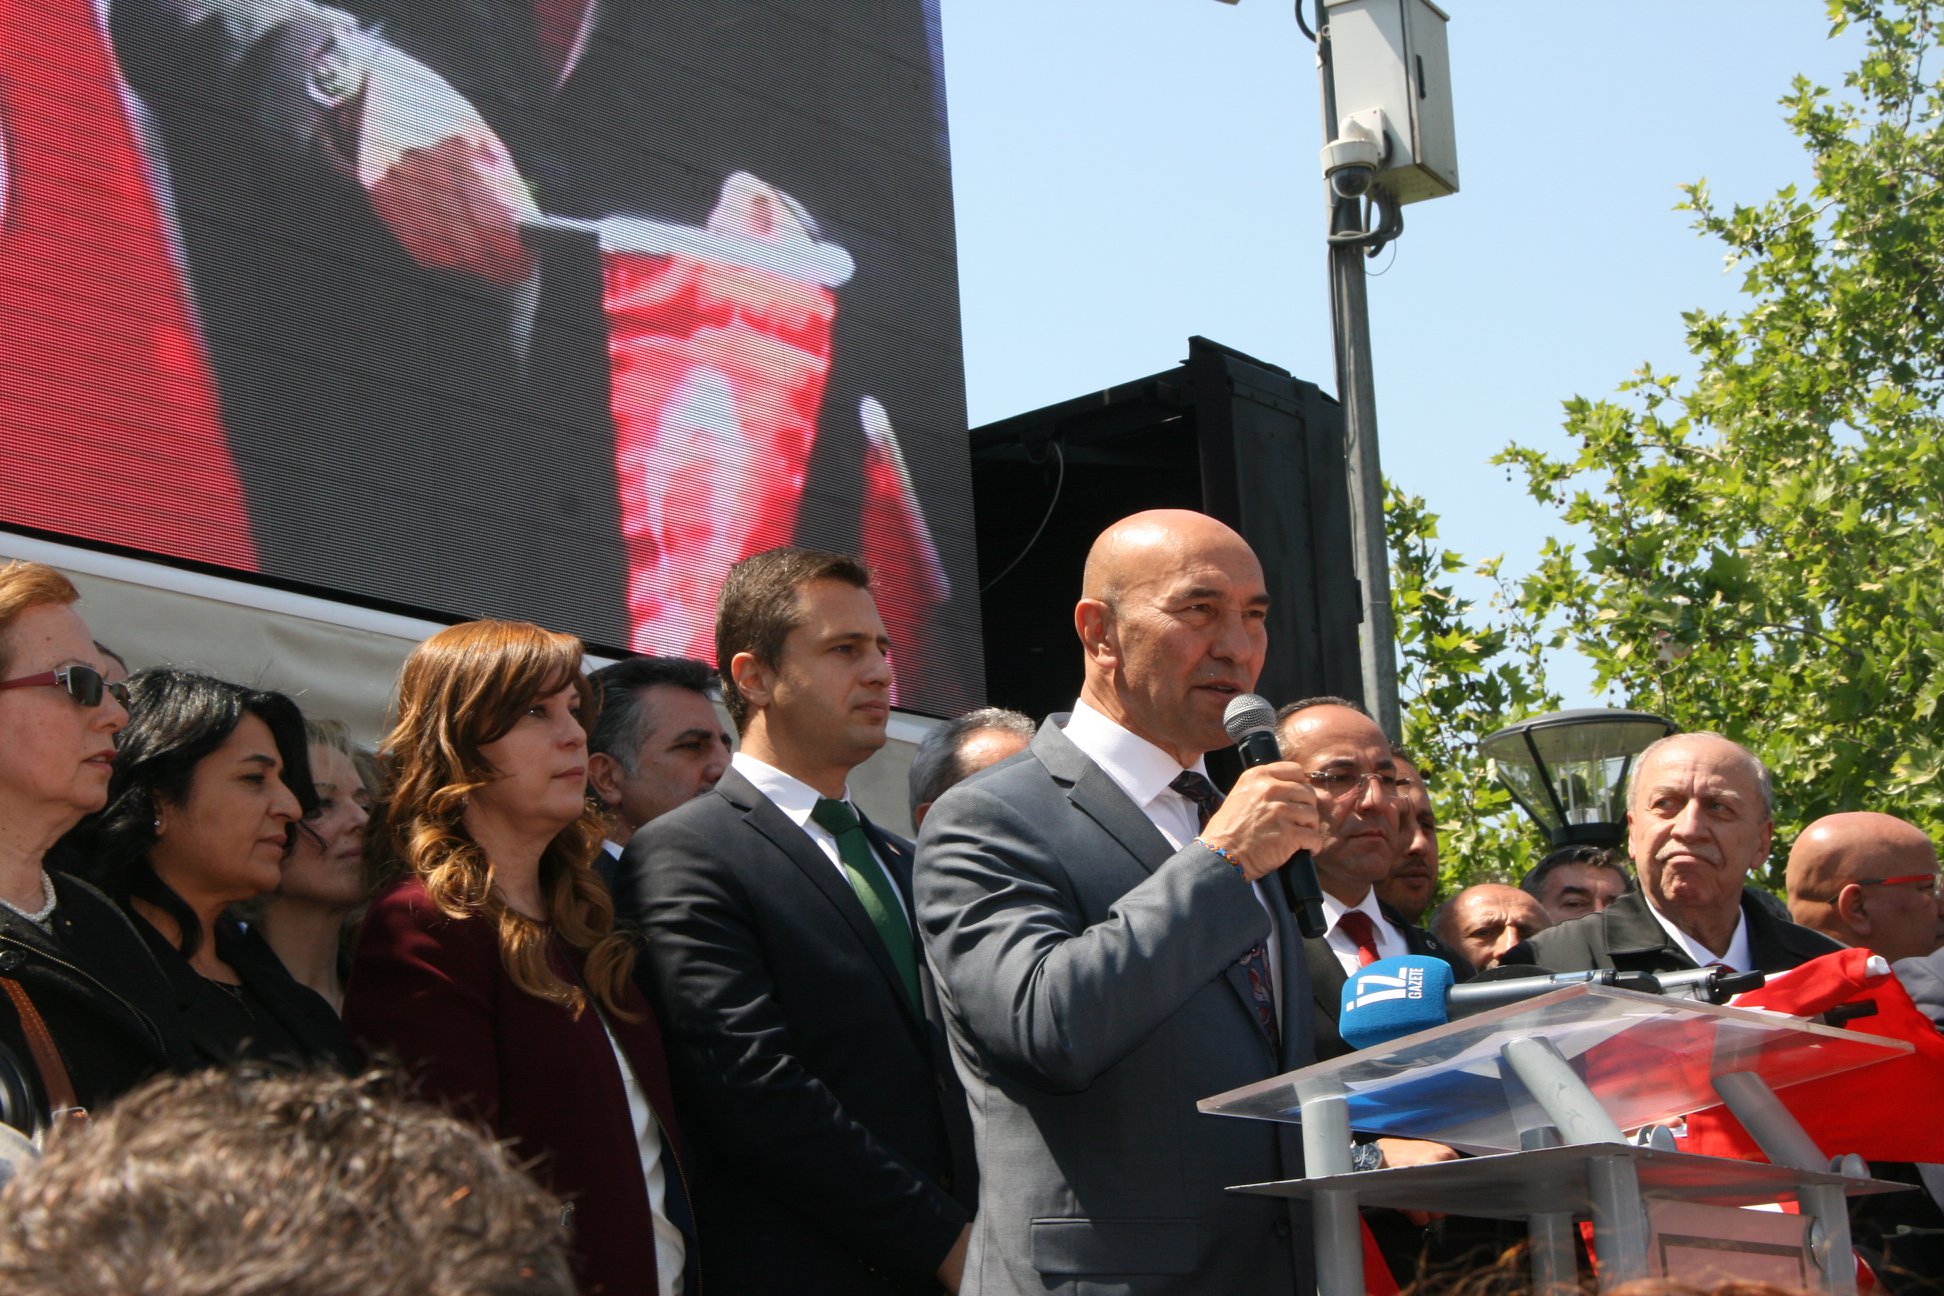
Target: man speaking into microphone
[1106,953]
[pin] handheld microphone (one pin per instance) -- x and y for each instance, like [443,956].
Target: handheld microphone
[1251,722]
[1395,997]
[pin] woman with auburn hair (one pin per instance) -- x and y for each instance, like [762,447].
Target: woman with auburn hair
[492,966]
[85,1011]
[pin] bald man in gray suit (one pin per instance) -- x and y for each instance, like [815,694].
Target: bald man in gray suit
[1105,956]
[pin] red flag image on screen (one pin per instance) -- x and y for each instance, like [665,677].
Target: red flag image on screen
[111,423]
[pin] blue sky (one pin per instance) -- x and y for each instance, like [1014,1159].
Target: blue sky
[1131,172]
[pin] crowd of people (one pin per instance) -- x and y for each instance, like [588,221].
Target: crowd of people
[746,1039]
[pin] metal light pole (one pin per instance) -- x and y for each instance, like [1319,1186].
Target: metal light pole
[1357,390]
[1388,140]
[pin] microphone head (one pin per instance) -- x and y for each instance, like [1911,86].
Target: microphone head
[1394,997]
[1248,713]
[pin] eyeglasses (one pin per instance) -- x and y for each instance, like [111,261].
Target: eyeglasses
[82,683]
[1343,783]
[1924,882]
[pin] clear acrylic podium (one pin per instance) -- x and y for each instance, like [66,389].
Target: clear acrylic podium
[1543,1094]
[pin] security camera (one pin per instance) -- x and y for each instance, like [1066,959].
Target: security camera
[1351,160]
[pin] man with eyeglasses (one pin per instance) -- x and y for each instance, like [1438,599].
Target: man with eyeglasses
[1869,880]
[1361,805]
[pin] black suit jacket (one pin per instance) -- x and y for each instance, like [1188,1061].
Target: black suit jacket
[831,1132]
[277,1019]
[1327,978]
[1626,935]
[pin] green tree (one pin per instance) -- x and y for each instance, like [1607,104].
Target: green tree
[1462,673]
[1761,546]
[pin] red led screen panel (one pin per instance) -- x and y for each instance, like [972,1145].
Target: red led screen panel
[538,308]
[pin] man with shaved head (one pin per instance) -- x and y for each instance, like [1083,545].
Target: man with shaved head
[1484,922]
[1699,820]
[1106,954]
[1867,879]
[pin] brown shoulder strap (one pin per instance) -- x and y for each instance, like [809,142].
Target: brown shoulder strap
[47,1058]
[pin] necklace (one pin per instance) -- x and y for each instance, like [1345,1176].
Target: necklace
[46,911]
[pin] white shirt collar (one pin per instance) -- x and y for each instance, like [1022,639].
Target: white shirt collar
[1137,766]
[1390,941]
[1738,956]
[789,793]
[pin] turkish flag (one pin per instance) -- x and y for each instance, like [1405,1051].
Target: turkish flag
[1881,1112]
[108,413]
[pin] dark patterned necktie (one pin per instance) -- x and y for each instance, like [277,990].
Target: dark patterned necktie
[1255,963]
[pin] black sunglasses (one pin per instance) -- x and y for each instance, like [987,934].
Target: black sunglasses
[82,683]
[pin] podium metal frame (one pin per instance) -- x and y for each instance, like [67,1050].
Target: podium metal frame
[1544,1092]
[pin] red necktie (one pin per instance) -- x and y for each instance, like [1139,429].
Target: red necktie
[1357,926]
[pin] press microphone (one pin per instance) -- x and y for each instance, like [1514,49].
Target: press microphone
[1251,723]
[1395,997]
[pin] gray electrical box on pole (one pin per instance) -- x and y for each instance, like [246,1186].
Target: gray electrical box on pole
[1393,81]
[1388,140]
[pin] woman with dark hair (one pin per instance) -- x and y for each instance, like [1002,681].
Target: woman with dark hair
[492,966]
[85,1013]
[210,781]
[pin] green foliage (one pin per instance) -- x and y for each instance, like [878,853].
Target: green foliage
[1762,541]
[1458,681]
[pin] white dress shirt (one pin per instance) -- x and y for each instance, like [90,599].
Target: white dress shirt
[671,1248]
[1390,941]
[797,799]
[1738,956]
[1144,772]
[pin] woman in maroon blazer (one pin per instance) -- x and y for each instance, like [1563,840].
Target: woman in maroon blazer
[492,967]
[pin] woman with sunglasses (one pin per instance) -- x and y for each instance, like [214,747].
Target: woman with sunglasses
[85,1012]
[210,781]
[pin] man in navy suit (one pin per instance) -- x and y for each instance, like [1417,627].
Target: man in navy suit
[782,957]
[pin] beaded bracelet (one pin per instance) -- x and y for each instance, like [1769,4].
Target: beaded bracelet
[1222,855]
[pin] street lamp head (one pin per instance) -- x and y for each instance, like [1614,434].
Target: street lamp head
[1568,770]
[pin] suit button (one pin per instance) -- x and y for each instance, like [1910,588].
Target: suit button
[10,959]
[1282,1228]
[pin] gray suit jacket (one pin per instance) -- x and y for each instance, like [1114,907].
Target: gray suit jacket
[1089,979]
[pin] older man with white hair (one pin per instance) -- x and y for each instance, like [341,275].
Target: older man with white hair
[1700,817]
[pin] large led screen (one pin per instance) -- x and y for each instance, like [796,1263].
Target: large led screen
[539,308]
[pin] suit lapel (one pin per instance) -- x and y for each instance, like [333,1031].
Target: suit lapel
[1101,799]
[1634,934]
[1326,977]
[762,814]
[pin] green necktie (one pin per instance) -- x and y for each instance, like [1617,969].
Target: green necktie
[873,886]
